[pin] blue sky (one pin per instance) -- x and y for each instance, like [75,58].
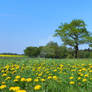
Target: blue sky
[26,23]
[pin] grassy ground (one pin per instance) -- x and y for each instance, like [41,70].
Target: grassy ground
[45,75]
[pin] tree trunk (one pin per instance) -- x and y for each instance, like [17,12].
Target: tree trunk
[76,46]
[76,51]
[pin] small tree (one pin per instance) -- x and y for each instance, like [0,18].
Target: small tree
[73,34]
[32,51]
[47,52]
[55,47]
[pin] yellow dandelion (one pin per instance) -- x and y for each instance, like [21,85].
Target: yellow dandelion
[71,77]
[2,86]
[90,71]
[55,77]
[3,82]
[29,79]
[36,80]
[14,88]
[23,79]
[84,80]
[71,82]
[42,80]
[8,78]
[17,77]
[86,75]
[15,80]
[37,87]
[79,78]
[49,77]
[4,75]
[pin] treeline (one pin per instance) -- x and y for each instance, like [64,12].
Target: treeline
[8,53]
[53,50]
[72,35]
[5,53]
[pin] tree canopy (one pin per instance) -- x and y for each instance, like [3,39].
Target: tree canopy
[73,34]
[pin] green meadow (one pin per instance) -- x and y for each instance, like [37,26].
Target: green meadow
[45,75]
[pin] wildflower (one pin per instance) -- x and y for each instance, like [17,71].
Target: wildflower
[15,80]
[42,80]
[90,78]
[91,66]
[3,82]
[84,80]
[55,70]
[81,74]
[2,86]
[55,77]
[14,88]
[82,64]
[79,78]
[37,87]
[71,77]
[79,83]
[14,72]
[80,70]
[86,75]
[73,70]
[36,80]
[29,79]
[40,74]
[17,77]
[71,82]
[4,75]
[2,71]
[84,69]
[23,79]
[8,78]
[90,71]
[49,77]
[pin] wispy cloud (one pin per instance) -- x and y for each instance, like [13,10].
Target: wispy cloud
[45,41]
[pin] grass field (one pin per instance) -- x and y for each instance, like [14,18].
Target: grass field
[45,75]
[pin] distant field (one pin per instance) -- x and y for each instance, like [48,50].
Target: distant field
[45,75]
[11,55]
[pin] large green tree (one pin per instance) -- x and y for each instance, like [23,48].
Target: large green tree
[73,34]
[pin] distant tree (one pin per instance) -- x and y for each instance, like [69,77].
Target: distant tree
[47,52]
[32,51]
[9,53]
[52,44]
[62,52]
[73,34]
[89,40]
[55,47]
[70,52]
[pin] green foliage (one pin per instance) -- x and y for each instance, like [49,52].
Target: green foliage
[31,51]
[89,40]
[52,50]
[60,75]
[47,52]
[73,34]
